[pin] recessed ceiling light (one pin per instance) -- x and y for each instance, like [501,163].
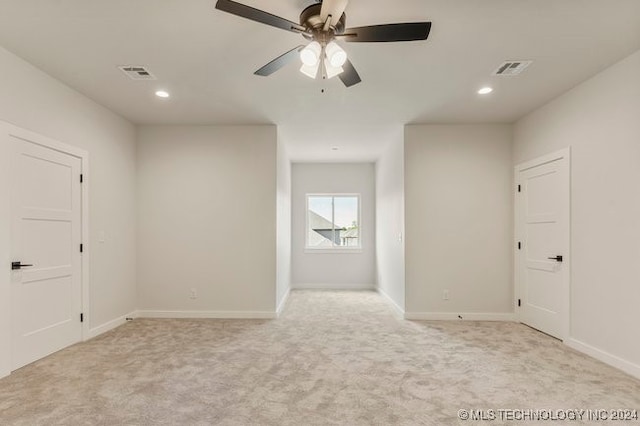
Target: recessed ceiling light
[162,94]
[485,91]
[334,148]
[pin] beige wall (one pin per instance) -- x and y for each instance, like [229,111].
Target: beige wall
[207,220]
[390,268]
[458,222]
[34,101]
[600,121]
[283,237]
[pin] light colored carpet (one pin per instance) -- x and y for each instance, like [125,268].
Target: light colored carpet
[333,358]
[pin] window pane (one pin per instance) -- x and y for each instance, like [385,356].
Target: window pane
[346,220]
[320,232]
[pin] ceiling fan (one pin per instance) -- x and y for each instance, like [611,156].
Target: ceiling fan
[322,24]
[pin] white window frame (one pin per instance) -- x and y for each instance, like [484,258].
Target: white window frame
[334,249]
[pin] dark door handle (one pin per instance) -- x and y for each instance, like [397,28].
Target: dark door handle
[557,258]
[18,265]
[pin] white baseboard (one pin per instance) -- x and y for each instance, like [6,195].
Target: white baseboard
[613,360]
[398,310]
[283,302]
[110,325]
[208,314]
[454,316]
[332,286]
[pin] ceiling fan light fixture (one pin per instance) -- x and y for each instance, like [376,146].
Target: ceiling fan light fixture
[336,54]
[310,55]
[320,23]
[310,70]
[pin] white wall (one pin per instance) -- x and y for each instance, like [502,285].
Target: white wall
[458,221]
[34,101]
[207,220]
[600,121]
[283,227]
[390,222]
[333,270]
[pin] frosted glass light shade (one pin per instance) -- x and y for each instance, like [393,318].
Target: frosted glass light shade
[310,70]
[331,70]
[310,55]
[336,55]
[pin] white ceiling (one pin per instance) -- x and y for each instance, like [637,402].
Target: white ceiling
[205,58]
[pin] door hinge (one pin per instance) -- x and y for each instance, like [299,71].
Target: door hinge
[81,248]
[519,245]
[519,188]
[81,178]
[519,302]
[81,317]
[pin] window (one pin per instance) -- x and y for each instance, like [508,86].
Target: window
[333,221]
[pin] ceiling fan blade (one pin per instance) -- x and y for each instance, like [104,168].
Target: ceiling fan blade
[258,15]
[389,32]
[280,62]
[335,8]
[349,76]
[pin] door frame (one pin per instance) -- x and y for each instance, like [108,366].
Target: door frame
[8,130]
[565,156]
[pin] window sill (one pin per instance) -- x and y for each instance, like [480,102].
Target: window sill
[342,250]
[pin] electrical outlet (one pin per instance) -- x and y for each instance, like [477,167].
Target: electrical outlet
[193,294]
[445,295]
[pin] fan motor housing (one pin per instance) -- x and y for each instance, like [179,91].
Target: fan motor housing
[310,18]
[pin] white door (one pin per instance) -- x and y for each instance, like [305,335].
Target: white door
[46,295]
[542,247]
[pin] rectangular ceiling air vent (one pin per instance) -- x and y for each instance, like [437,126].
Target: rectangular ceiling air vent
[512,68]
[137,72]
